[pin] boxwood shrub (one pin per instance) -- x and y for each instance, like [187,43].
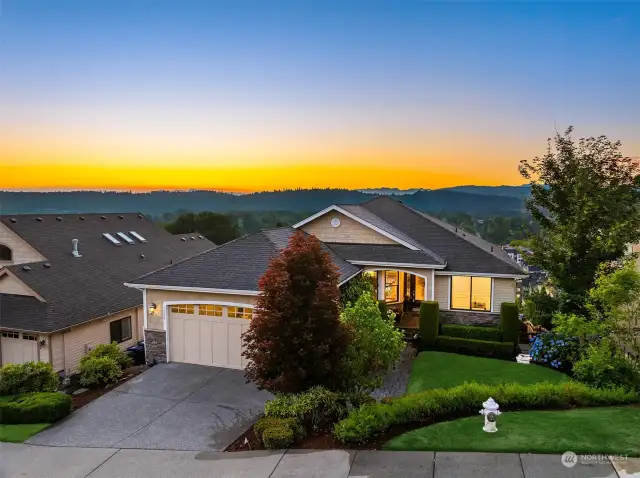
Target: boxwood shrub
[277,438]
[28,377]
[426,407]
[472,332]
[482,348]
[39,407]
[510,322]
[429,318]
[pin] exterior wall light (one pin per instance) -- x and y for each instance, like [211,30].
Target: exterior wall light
[152,308]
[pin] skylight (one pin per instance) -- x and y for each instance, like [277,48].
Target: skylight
[126,238]
[137,236]
[111,239]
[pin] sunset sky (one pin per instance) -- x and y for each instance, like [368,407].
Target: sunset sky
[244,96]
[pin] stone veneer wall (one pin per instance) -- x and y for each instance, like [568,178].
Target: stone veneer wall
[155,346]
[461,317]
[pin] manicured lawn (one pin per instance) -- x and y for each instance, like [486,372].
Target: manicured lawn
[611,430]
[19,433]
[444,370]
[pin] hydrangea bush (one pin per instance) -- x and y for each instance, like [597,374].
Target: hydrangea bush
[554,350]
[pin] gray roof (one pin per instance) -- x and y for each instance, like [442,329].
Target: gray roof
[236,265]
[77,290]
[382,253]
[462,251]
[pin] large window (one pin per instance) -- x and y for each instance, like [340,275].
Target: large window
[471,293]
[120,330]
[391,285]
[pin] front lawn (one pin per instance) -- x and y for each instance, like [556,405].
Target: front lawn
[19,433]
[611,430]
[445,370]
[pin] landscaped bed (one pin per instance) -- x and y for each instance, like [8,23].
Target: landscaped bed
[19,433]
[611,430]
[445,370]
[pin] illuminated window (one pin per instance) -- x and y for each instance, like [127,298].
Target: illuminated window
[391,283]
[471,293]
[210,310]
[183,309]
[420,288]
[240,313]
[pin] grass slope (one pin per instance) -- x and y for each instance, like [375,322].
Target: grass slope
[445,370]
[19,433]
[610,430]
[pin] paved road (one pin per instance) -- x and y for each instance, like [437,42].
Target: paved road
[28,461]
[168,407]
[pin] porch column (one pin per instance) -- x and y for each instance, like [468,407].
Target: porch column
[380,285]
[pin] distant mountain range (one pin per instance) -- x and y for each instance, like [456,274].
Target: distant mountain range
[475,200]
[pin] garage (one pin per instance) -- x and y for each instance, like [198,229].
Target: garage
[208,333]
[18,347]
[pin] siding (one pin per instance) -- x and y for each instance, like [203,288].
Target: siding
[21,250]
[159,297]
[504,290]
[57,352]
[10,284]
[349,231]
[94,333]
[442,291]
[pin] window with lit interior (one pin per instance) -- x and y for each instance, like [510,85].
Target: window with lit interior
[471,293]
[183,309]
[240,313]
[391,285]
[210,310]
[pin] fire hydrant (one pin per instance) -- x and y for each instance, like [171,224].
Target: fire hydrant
[490,412]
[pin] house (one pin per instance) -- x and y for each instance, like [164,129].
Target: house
[61,282]
[196,310]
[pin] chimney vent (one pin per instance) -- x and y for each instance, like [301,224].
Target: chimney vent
[75,251]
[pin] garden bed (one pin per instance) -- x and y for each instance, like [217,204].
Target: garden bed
[81,399]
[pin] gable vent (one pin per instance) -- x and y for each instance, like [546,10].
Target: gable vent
[111,239]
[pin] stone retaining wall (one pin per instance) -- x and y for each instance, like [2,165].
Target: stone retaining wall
[461,317]
[155,346]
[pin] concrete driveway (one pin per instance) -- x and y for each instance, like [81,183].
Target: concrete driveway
[168,407]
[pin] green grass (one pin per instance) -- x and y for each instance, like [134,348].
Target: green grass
[445,370]
[611,430]
[19,433]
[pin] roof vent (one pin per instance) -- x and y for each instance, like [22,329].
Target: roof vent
[192,238]
[137,236]
[103,217]
[120,217]
[58,218]
[26,268]
[142,256]
[39,219]
[47,265]
[140,216]
[111,239]
[126,238]
[183,239]
[81,218]
[75,251]
[13,220]
[200,237]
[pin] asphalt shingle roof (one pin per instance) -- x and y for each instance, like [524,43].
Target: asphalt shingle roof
[77,290]
[236,265]
[382,253]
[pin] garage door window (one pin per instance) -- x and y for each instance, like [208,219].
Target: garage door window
[120,330]
[29,337]
[183,309]
[240,313]
[11,335]
[210,310]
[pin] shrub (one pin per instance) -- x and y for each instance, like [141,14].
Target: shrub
[353,289]
[510,323]
[369,421]
[109,350]
[270,422]
[28,377]
[99,371]
[602,365]
[314,408]
[482,348]
[277,438]
[295,339]
[384,308]
[539,308]
[376,345]
[429,317]
[38,407]
[554,350]
[472,332]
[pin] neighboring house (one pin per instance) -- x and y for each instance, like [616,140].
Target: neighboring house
[61,282]
[196,310]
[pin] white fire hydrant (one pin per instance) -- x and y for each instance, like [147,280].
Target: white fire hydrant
[490,412]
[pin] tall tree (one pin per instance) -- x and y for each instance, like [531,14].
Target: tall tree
[295,339]
[586,200]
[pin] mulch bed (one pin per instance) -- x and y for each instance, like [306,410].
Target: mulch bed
[81,399]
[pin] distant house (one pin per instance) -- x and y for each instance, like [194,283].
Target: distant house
[198,309]
[61,282]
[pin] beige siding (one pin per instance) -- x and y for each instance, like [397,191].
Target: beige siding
[93,333]
[504,290]
[56,342]
[350,230]
[159,297]
[442,291]
[10,284]
[22,251]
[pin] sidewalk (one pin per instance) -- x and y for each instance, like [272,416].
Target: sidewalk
[31,461]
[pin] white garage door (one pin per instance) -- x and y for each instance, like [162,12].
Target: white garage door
[208,334]
[18,347]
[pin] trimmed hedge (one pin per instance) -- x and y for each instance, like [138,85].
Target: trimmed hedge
[28,377]
[278,438]
[266,423]
[510,322]
[40,407]
[482,348]
[426,407]
[429,317]
[472,332]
